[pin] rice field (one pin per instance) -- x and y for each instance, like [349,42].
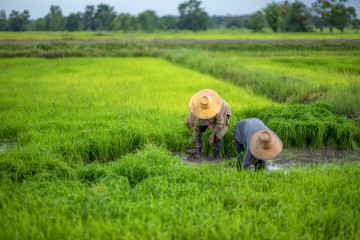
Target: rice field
[153,195]
[211,34]
[294,77]
[91,140]
[90,108]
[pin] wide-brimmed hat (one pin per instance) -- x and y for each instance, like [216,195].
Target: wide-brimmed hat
[265,145]
[205,104]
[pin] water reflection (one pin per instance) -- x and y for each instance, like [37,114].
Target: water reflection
[5,143]
[304,156]
[289,157]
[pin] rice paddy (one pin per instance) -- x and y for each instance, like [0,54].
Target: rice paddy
[89,133]
[302,77]
[211,34]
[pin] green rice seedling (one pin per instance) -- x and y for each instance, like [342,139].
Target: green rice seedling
[211,34]
[314,126]
[176,200]
[85,110]
[91,137]
[299,79]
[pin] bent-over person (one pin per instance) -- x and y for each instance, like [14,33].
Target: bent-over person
[261,143]
[212,112]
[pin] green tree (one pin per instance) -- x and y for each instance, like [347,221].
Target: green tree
[272,15]
[284,16]
[40,24]
[133,23]
[168,22]
[18,21]
[104,16]
[54,19]
[355,24]
[192,17]
[73,22]
[299,17]
[125,22]
[341,15]
[257,21]
[88,17]
[3,20]
[115,24]
[234,21]
[321,12]
[147,21]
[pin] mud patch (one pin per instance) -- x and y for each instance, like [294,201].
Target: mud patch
[305,156]
[288,158]
[5,143]
[203,159]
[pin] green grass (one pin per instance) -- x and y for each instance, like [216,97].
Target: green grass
[100,108]
[88,109]
[151,195]
[291,72]
[297,78]
[212,34]
[91,141]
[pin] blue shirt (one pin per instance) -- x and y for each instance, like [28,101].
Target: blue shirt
[243,131]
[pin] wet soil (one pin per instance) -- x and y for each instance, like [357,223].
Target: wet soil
[5,143]
[288,158]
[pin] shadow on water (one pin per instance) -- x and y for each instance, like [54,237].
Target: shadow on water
[289,157]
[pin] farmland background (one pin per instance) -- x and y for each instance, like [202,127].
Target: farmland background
[91,128]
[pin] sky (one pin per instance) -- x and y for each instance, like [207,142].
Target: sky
[39,8]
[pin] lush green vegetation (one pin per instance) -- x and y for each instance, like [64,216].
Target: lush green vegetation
[98,109]
[212,34]
[88,109]
[153,195]
[295,77]
[92,140]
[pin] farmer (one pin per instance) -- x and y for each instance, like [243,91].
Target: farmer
[260,142]
[212,112]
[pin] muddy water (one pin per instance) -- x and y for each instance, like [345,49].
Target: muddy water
[304,156]
[290,157]
[5,143]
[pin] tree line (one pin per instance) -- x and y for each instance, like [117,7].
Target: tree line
[279,16]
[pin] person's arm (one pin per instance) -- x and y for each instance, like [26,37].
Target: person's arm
[190,122]
[219,123]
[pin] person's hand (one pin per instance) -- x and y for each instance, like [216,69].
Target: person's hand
[212,138]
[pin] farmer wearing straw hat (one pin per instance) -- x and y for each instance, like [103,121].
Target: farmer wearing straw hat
[260,142]
[212,112]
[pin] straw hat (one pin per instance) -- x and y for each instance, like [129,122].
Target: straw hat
[205,104]
[265,144]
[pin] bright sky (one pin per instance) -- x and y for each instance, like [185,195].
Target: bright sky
[39,8]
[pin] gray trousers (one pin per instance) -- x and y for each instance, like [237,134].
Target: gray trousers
[199,138]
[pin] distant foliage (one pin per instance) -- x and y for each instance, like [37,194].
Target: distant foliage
[54,19]
[147,21]
[192,17]
[257,21]
[280,16]
[17,21]
[333,13]
[286,17]
[104,16]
